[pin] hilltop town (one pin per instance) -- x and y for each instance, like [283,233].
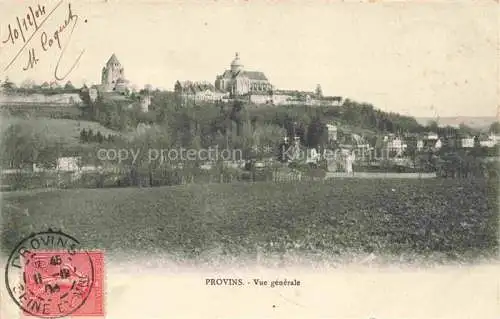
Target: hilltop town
[236,83]
[241,109]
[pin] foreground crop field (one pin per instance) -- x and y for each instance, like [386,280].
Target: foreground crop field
[455,219]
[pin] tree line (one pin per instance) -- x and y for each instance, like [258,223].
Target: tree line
[88,136]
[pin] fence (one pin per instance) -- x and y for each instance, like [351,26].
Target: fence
[131,177]
[127,177]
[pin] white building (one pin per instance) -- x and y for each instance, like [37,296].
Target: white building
[467,142]
[396,145]
[261,98]
[487,143]
[69,164]
[332,132]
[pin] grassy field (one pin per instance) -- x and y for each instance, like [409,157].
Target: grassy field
[455,219]
[68,131]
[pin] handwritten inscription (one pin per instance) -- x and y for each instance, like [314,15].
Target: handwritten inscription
[27,27]
[30,23]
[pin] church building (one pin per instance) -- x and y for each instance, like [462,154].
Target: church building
[238,81]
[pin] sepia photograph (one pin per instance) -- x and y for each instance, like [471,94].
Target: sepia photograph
[249,159]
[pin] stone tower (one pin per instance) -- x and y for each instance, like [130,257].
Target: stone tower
[112,74]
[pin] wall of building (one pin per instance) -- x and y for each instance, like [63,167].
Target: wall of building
[63,99]
[260,99]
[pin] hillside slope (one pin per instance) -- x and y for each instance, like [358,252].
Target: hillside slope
[67,131]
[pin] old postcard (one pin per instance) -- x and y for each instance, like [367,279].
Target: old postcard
[249,159]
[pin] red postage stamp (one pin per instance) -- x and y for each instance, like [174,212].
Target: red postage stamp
[55,283]
[60,284]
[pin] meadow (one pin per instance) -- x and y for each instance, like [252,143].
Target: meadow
[65,130]
[415,218]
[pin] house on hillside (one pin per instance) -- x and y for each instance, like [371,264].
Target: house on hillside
[93,93]
[260,99]
[142,128]
[293,97]
[395,145]
[495,138]
[68,164]
[199,92]
[430,141]
[332,132]
[332,100]
[54,85]
[467,142]
[487,141]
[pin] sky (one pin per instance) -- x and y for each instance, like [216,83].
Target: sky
[420,59]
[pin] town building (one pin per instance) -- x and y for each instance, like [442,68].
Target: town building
[495,138]
[430,141]
[332,132]
[293,97]
[68,163]
[199,92]
[396,146]
[467,142]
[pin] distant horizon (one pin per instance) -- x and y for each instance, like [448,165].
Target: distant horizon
[419,60]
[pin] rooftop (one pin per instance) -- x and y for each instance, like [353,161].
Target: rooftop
[113,60]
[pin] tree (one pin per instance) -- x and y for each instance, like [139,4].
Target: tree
[433,126]
[465,130]
[83,136]
[99,137]
[28,84]
[411,147]
[495,127]
[7,84]
[319,91]
[22,146]
[317,133]
[69,86]
[90,135]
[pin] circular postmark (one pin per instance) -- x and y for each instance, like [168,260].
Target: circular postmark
[48,275]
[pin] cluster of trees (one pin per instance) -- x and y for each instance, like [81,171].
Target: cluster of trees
[88,136]
[366,116]
[495,128]
[119,115]
[22,146]
[237,125]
